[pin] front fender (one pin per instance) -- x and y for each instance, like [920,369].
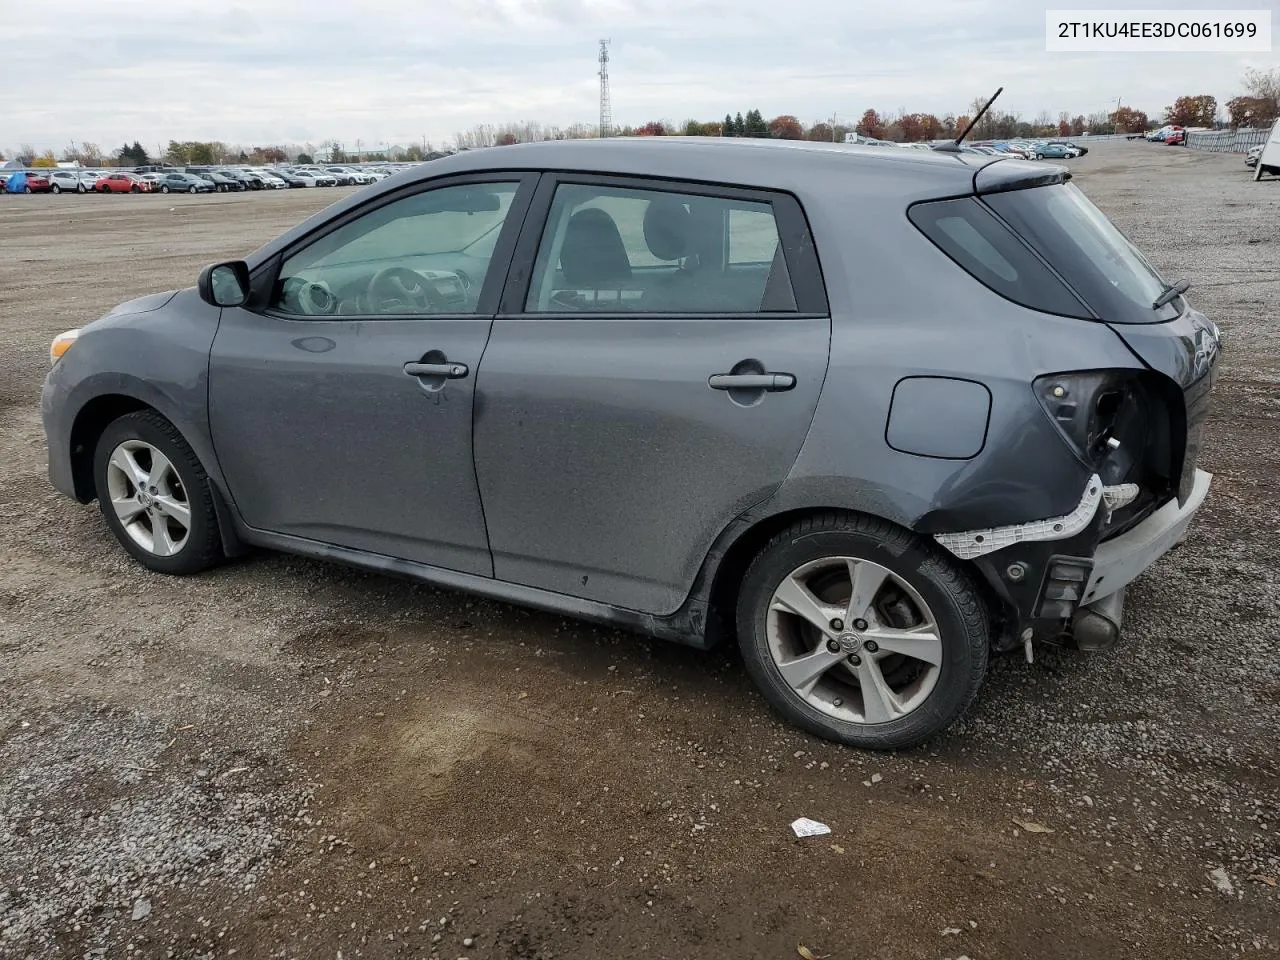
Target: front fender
[159,358]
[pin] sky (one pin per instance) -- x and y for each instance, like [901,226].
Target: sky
[257,72]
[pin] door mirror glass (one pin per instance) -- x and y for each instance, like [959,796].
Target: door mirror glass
[224,284]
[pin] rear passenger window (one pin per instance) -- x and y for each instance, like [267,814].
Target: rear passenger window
[614,249]
[985,249]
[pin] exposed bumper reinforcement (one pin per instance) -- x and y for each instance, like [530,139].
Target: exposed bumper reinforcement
[1119,561]
[976,543]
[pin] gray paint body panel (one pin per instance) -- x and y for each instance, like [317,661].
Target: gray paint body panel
[322,435]
[608,465]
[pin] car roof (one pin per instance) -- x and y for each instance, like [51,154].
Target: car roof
[746,160]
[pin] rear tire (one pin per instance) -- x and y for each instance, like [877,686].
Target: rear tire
[55,189]
[155,495]
[831,677]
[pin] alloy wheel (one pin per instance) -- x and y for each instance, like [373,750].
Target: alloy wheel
[148,498]
[854,640]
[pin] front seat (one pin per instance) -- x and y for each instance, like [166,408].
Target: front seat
[593,257]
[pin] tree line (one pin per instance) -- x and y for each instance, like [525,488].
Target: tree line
[1258,106]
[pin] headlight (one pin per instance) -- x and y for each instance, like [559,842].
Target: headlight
[61,344]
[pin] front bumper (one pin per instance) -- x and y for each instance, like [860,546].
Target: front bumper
[57,437]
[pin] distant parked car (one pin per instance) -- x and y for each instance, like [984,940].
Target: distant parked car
[38,183]
[270,180]
[246,180]
[291,179]
[67,181]
[1251,158]
[1176,138]
[222,184]
[316,179]
[184,183]
[1055,151]
[20,181]
[123,183]
[1080,151]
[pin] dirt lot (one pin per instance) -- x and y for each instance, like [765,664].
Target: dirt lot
[288,759]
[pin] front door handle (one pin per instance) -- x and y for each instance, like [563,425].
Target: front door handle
[772,382]
[450,371]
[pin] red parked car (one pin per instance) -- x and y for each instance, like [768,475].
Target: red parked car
[122,183]
[37,183]
[1176,137]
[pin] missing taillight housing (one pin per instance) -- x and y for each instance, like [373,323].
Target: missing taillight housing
[1120,424]
[1086,407]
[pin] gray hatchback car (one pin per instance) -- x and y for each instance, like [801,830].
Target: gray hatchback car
[879,414]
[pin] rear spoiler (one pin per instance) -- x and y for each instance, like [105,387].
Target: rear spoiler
[1013,174]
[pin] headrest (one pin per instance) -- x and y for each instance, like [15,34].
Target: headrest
[666,228]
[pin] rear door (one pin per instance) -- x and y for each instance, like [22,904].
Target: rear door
[651,374]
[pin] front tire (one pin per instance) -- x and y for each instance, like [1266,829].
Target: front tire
[861,632]
[155,495]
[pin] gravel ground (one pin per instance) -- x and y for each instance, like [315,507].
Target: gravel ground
[282,758]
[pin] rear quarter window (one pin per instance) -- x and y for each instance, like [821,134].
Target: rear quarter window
[983,247]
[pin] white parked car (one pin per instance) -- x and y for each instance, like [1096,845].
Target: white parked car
[65,181]
[269,179]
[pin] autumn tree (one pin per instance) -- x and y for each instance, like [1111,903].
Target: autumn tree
[1128,120]
[505,139]
[821,131]
[1193,111]
[654,128]
[930,126]
[786,127]
[1077,126]
[1064,128]
[870,125]
[45,160]
[1251,111]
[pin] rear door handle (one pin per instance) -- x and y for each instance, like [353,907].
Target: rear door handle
[772,382]
[450,371]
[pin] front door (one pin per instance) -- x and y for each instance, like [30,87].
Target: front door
[341,410]
[651,375]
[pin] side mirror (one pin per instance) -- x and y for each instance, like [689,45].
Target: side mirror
[224,284]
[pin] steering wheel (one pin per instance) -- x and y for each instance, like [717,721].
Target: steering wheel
[393,289]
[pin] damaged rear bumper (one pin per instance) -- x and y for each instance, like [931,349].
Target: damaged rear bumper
[1059,579]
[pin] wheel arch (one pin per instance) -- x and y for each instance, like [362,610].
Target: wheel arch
[720,579]
[92,419]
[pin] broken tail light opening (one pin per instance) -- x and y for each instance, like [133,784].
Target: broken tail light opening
[1105,415]
[1122,424]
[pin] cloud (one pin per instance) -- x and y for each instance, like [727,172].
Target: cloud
[399,71]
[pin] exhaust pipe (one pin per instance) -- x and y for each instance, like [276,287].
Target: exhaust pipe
[1097,626]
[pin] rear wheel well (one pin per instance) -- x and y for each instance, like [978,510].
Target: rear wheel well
[89,424]
[723,598]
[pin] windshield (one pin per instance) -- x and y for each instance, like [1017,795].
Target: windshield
[1087,249]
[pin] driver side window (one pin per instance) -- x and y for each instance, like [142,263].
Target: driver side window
[427,253]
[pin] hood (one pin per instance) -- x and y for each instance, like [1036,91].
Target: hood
[152,301]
